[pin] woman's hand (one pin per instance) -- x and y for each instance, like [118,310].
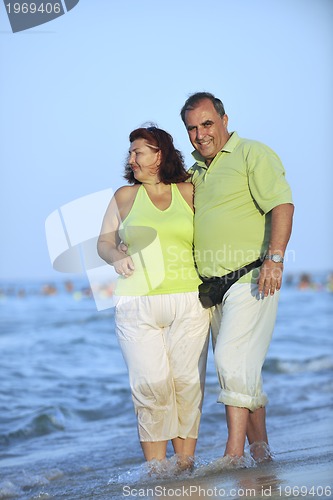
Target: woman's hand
[125,266]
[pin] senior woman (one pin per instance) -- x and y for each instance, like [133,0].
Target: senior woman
[161,326]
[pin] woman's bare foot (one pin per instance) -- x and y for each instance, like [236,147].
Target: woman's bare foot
[261,452]
[185,463]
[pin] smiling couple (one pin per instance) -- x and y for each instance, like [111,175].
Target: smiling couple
[235,196]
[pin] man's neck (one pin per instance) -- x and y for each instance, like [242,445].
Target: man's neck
[208,161]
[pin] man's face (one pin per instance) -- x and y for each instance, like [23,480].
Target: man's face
[207,130]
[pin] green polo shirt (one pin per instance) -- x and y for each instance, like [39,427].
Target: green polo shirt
[233,198]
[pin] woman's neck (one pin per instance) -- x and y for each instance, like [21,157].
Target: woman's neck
[155,185]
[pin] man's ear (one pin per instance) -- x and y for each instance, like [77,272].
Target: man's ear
[225,120]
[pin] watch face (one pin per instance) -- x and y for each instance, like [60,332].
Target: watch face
[275,257]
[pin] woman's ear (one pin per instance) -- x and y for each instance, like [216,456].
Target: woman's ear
[159,157]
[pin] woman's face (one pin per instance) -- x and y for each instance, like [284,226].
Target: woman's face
[144,160]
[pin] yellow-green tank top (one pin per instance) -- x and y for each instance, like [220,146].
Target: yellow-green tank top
[160,243]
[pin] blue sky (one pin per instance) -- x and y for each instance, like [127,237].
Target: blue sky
[73,89]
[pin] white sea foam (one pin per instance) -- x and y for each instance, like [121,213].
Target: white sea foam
[9,490]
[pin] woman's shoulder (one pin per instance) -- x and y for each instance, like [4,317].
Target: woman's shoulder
[126,193]
[186,190]
[124,198]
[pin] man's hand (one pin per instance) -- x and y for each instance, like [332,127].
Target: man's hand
[270,278]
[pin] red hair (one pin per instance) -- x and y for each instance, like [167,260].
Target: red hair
[172,167]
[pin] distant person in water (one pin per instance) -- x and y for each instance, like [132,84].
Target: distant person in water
[329,282]
[162,329]
[305,282]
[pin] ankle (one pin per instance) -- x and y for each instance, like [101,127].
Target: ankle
[260,451]
[185,462]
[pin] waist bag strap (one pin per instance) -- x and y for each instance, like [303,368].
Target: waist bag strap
[225,282]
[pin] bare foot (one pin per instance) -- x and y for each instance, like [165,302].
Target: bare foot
[185,463]
[261,452]
[157,467]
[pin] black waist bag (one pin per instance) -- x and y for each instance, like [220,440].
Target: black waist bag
[212,290]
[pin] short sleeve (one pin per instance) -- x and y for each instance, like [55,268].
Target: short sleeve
[267,182]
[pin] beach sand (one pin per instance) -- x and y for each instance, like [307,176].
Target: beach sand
[273,481]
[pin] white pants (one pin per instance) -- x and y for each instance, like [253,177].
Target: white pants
[242,328]
[164,340]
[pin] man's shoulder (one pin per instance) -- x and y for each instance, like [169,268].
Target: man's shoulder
[253,145]
[197,167]
[194,168]
[196,172]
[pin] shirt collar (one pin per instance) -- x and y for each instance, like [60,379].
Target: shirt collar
[227,148]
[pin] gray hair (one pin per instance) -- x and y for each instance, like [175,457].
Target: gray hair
[197,97]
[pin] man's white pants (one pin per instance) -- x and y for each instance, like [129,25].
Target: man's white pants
[242,328]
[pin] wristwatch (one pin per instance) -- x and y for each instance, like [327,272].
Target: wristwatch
[275,257]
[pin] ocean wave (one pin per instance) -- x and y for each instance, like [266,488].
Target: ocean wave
[275,365]
[55,419]
[26,481]
[9,490]
[49,420]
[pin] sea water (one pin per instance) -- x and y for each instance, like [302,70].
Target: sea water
[67,425]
